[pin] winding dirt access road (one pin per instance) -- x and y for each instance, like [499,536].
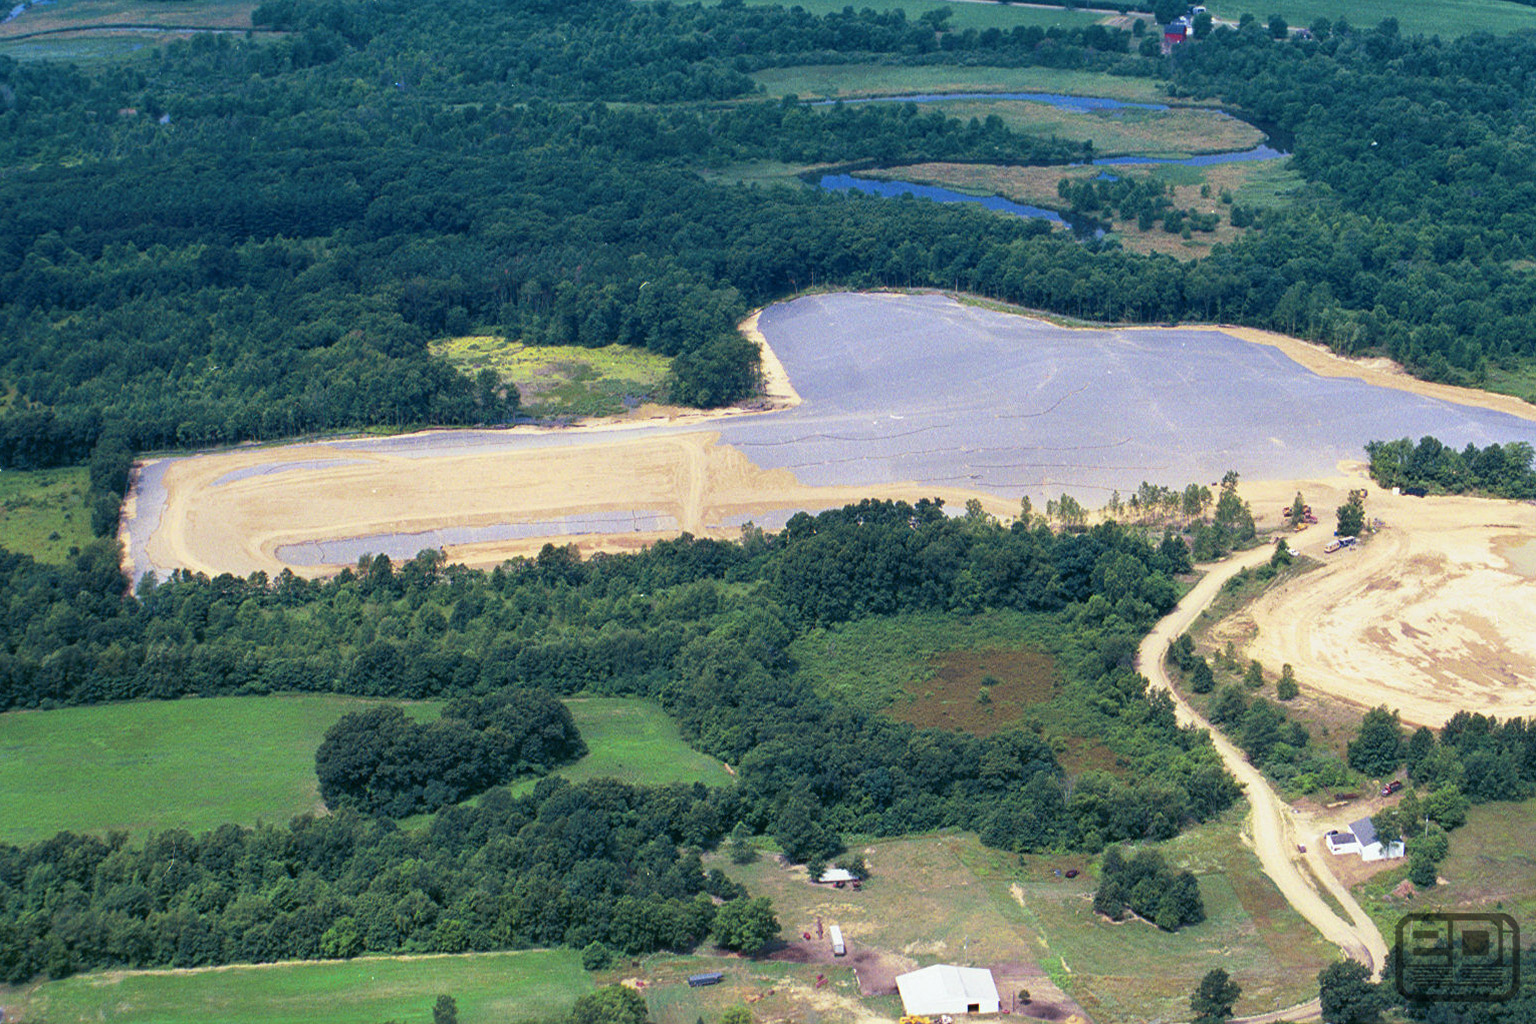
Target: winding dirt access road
[1276,827]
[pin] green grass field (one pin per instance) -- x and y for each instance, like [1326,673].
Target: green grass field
[1178,133]
[633,741]
[564,380]
[1446,18]
[191,764]
[831,81]
[948,898]
[490,988]
[196,763]
[43,513]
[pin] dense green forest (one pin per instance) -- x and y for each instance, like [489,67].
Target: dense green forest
[703,626]
[254,239]
[1429,466]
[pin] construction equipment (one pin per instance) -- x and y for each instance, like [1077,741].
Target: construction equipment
[912,1018]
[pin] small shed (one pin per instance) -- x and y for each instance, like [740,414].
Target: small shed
[945,988]
[1175,32]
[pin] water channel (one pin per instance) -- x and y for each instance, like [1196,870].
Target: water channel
[1000,204]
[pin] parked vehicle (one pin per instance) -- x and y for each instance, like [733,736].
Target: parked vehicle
[1392,787]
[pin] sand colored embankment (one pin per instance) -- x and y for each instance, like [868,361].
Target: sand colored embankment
[338,492]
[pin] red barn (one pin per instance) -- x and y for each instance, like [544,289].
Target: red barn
[1175,33]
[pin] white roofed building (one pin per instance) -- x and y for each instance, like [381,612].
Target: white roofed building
[944,988]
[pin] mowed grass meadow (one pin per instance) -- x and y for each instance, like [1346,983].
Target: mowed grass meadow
[199,763]
[490,988]
[193,764]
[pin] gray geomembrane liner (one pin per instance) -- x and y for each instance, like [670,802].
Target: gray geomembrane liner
[403,546]
[271,468]
[923,388]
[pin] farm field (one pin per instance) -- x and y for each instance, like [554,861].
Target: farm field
[846,81]
[43,513]
[947,898]
[1178,132]
[490,988]
[72,14]
[194,764]
[564,380]
[1448,19]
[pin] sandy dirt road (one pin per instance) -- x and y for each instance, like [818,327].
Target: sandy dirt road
[1276,829]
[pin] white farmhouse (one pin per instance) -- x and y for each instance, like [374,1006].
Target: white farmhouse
[944,988]
[1361,838]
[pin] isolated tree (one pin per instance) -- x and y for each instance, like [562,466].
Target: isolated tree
[746,925]
[1348,995]
[1201,679]
[445,1010]
[1377,750]
[1286,688]
[615,1004]
[739,845]
[1282,556]
[1278,29]
[736,1015]
[595,956]
[1254,676]
[1212,1001]
[1298,510]
[1202,24]
[1351,515]
[1420,745]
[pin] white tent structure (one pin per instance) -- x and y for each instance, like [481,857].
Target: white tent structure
[944,988]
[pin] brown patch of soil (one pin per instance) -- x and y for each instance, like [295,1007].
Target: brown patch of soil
[957,697]
[875,970]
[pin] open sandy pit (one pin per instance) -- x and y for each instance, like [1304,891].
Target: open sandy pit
[902,396]
[1434,613]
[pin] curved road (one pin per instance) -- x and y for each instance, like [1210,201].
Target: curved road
[1275,826]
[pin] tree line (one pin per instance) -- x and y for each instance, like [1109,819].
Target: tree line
[1431,467]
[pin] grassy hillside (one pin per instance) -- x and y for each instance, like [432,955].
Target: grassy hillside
[489,987]
[44,513]
[191,764]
